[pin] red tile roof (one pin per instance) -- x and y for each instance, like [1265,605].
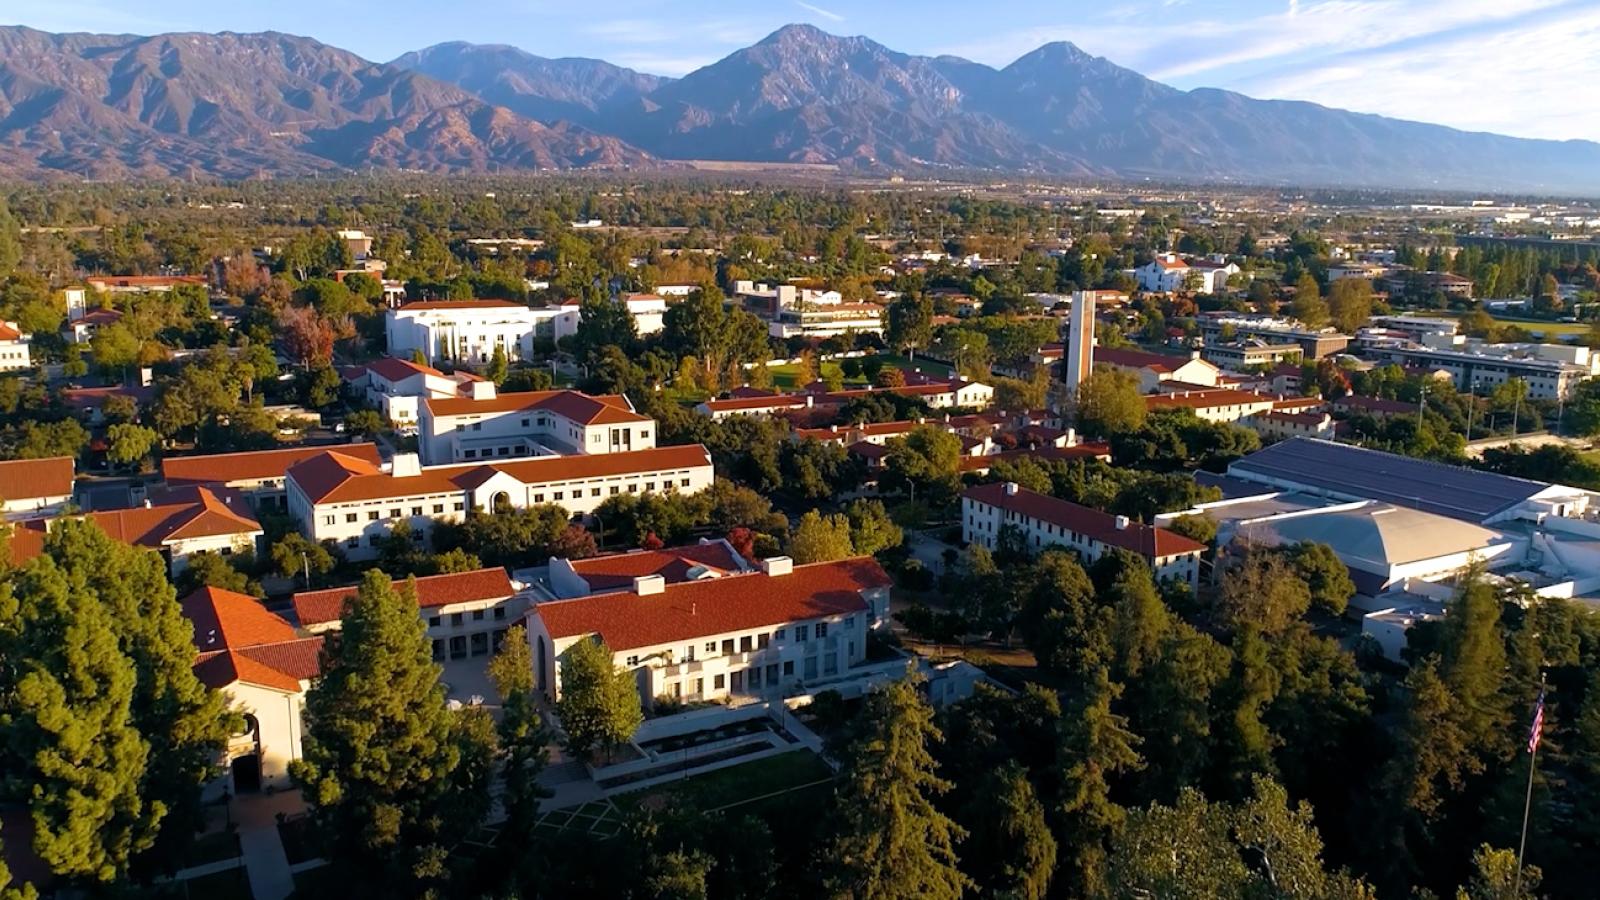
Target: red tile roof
[1126,358]
[335,478]
[1145,540]
[101,282]
[321,607]
[226,620]
[239,640]
[693,609]
[394,369]
[28,479]
[605,409]
[184,513]
[462,304]
[9,332]
[222,468]
[673,564]
[97,316]
[1210,399]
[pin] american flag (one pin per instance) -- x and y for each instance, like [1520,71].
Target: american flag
[1537,731]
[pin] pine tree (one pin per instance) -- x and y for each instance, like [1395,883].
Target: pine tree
[1170,709]
[1244,744]
[382,751]
[1095,746]
[1472,664]
[498,366]
[522,733]
[1011,852]
[890,842]
[188,722]
[68,745]
[599,705]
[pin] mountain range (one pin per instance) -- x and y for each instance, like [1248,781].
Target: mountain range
[238,105]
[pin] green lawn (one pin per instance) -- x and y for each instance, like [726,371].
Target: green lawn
[928,366]
[733,785]
[786,377]
[1539,325]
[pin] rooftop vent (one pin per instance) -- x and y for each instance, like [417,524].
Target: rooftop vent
[775,566]
[405,465]
[1011,488]
[1122,523]
[645,585]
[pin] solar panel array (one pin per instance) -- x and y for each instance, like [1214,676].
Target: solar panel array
[1342,469]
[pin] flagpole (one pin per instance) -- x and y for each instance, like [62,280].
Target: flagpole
[1527,802]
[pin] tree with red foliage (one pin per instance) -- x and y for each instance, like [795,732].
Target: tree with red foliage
[307,336]
[743,541]
[651,542]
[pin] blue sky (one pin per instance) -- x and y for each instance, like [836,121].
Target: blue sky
[1523,67]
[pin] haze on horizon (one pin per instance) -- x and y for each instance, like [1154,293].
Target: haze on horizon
[1517,67]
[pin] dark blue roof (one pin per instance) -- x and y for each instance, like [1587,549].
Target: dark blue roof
[1358,473]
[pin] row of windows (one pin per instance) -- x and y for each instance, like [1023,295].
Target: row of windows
[459,619]
[395,512]
[753,642]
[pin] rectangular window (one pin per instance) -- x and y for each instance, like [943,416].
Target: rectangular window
[438,508]
[457,619]
[477,615]
[329,520]
[718,682]
[352,542]
[632,489]
[727,647]
[594,492]
[822,629]
[614,490]
[433,621]
[538,498]
[632,660]
[779,634]
[372,516]
[788,667]
[685,482]
[416,510]
[755,677]
[559,496]
[746,644]
[802,633]
[761,641]
[394,513]
[460,505]
[711,646]
[772,674]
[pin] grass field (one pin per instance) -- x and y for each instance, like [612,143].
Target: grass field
[1536,325]
[734,785]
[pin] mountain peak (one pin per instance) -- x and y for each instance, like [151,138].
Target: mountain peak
[797,33]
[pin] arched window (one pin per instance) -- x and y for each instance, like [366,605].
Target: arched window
[502,501]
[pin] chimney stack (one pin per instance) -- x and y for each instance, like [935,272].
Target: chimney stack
[775,566]
[1122,523]
[1011,488]
[647,585]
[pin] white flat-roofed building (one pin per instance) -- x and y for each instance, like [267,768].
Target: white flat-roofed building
[355,504]
[1551,371]
[957,392]
[749,636]
[533,423]
[397,387]
[647,311]
[464,330]
[1045,522]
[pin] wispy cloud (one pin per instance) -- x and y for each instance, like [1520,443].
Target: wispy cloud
[828,14]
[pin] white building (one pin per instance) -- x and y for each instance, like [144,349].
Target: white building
[14,353]
[647,311]
[36,487]
[398,387]
[489,425]
[464,330]
[1043,522]
[957,392]
[1169,272]
[177,524]
[757,635]
[264,668]
[467,613]
[334,497]
[1152,369]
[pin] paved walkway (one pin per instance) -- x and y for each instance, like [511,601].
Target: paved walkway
[268,865]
